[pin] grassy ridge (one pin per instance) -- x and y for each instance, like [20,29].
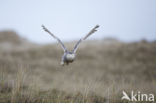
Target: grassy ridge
[31,73]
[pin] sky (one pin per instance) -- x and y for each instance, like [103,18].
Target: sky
[127,20]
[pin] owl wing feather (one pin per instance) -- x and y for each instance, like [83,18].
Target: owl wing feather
[63,46]
[84,38]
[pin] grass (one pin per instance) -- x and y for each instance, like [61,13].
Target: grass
[18,93]
[31,73]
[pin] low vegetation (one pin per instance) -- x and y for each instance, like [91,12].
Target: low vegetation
[31,73]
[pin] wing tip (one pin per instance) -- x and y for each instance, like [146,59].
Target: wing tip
[97,26]
[44,28]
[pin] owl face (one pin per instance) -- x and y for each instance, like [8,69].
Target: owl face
[70,56]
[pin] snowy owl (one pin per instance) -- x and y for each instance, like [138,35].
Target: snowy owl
[69,56]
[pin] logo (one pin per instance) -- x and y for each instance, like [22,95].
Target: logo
[137,96]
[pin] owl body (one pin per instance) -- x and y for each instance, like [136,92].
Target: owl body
[67,58]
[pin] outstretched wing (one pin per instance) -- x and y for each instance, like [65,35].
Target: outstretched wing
[45,29]
[90,33]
